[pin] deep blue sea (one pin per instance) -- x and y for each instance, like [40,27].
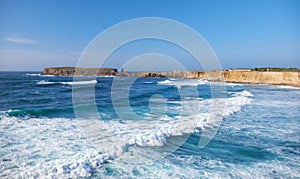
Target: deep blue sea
[149,128]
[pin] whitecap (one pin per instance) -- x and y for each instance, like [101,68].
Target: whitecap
[79,82]
[39,74]
[71,83]
[156,132]
[180,83]
[243,93]
[288,87]
[32,74]
[148,82]
[49,75]
[233,84]
[43,82]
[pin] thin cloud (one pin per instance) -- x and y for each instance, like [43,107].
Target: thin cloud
[21,40]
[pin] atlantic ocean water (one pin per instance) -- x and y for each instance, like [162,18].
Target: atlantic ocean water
[259,136]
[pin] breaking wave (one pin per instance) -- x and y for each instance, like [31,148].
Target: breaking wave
[56,147]
[180,83]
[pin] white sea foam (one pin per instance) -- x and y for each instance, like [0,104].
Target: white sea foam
[198,167]
[164,82]
[32,74]
[243,93]
[45,148]
[156,132]
[288,87]
[148,82]
[39,74]
[180,83]
[58,147]
[233,84]
[43,82]
[79,82]
[71,83]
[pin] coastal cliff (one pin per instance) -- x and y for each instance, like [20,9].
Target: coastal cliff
[74,71]
[239,76]
[257,77]
[250,76]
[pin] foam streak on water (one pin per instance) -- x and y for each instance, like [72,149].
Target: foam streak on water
[43,82]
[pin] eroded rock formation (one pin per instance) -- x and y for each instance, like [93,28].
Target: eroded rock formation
[235,76]
[72,71]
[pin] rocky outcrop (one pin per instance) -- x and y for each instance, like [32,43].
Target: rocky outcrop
[171,74]
[73,71]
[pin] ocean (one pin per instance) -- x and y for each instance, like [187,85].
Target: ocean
[149,128]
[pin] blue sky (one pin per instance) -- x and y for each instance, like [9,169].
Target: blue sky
[243,33]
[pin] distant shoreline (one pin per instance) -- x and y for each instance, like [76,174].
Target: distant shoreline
[271,76]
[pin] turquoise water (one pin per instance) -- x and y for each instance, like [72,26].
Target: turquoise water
[41,136]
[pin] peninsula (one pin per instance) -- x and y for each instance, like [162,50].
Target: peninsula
[273,76]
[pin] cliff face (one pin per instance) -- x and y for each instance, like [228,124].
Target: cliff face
[251,77]
[72,71]
[257,77]
[235,76]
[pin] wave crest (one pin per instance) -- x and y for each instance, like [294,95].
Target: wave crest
[180,83]
[57,148]
[71,83]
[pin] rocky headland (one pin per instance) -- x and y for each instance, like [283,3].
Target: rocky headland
[75,71]
[271,76]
